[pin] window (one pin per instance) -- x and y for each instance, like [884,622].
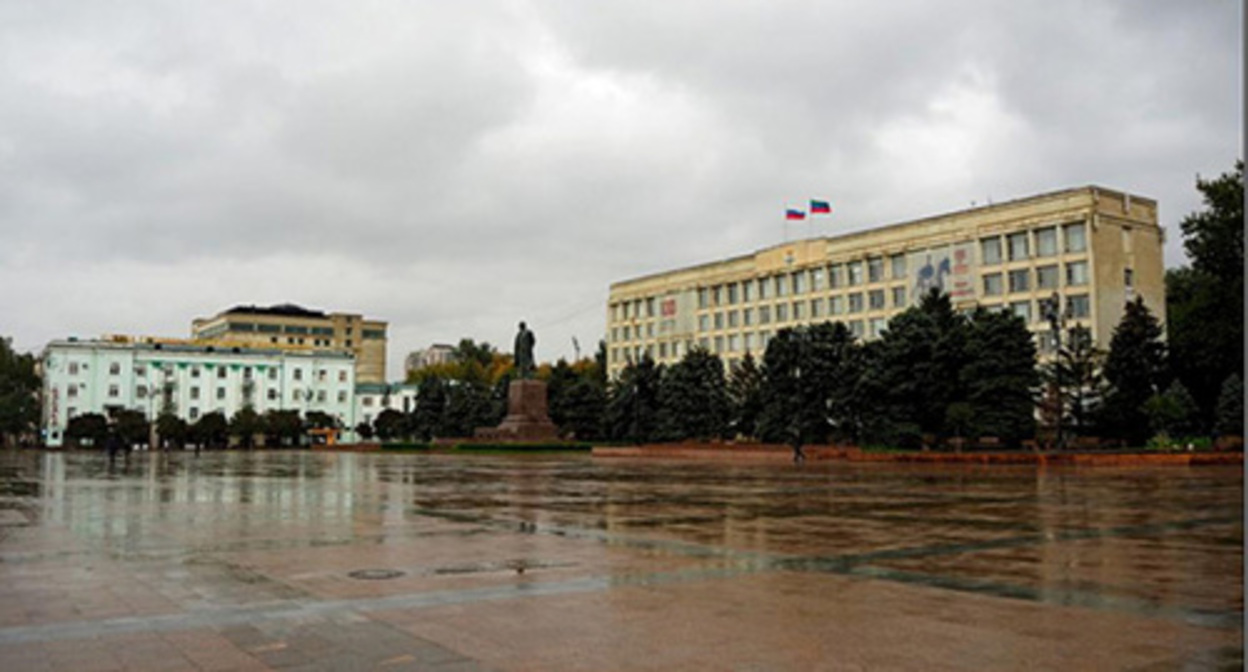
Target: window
[799,310]
[71,391]
[320,396]
[1018,246]
[1020,281]
[782,286]
[1046,343]
[296,394]
[876,326]
[855,303]
[799,282]
[114,391]
[719,344]
[628,331]
[703,300]
[717,295]
[816,308]
[782,312]
[342,396]
[875,269]
[220,392]
[140,392]
[1046,277]
[745,290]
[1078,306]
[834,276]
[1046,242]
[875,299]
[1076,237]
[73,368]
[836,305]
[1128,278]
[114,369]
[662,350]
[140,370]
[732,294]
[272,374]
[747,316]
[763,287]
[272,395]
[992,284]
[650,306]
[990,250]
[1077,273]
[299,372]
[320,375]
[194,392]
[194,371]
[898,262]
[732,318]
[719,320]
[816,279]
[221,372]
[1022,309]
[764,314]
[194,413]
[855,328]
[748,341]
[650,330]
[855,273]
[732,342]
[899,297]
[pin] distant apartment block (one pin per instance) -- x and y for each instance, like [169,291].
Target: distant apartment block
[1095,248]
[296,329]
[438,353]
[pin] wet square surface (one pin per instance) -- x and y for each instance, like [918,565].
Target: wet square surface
[324,561]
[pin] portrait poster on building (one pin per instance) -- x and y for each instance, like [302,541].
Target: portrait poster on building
[951,269]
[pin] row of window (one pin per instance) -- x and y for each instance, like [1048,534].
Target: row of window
[71,391]
[1019,246]
[865,271]
[281,329]
[1079,306]
[140,371]
[1045,277]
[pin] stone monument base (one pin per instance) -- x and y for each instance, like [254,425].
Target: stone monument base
[527,418]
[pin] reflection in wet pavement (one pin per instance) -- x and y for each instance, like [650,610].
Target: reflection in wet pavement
[187,550]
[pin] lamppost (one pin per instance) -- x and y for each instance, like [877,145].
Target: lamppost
[1052,309]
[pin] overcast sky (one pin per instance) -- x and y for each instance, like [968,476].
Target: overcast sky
[454,167]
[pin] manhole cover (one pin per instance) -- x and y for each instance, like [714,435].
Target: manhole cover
[375,574]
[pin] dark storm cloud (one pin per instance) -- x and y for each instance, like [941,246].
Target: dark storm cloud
[452,167]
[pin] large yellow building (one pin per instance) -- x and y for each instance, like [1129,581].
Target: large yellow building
[1096,248]
[291,327]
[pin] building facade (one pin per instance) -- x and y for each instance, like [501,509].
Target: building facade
[193,379]
[1095,248]
[292,328]
[438,353]
[373,398]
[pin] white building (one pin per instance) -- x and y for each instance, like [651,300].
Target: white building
[373,398]
[95,376]
[438,353]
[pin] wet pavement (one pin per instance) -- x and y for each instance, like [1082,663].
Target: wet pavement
[322,561]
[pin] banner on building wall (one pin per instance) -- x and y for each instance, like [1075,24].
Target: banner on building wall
[676,313]
[951,269]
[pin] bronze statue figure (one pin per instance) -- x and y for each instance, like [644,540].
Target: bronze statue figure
[524,352]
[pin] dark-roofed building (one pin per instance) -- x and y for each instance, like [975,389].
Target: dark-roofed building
[291,327]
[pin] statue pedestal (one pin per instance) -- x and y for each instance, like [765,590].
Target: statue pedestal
[527,418]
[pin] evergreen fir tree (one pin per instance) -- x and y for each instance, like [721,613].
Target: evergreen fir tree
[1135,369]
[693,400]
[1230,420]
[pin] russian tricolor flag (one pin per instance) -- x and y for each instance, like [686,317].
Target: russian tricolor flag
[820,207]
[794,214]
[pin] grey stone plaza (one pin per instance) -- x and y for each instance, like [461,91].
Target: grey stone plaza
[344,561]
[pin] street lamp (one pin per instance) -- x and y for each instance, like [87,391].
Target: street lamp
[1052,309]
